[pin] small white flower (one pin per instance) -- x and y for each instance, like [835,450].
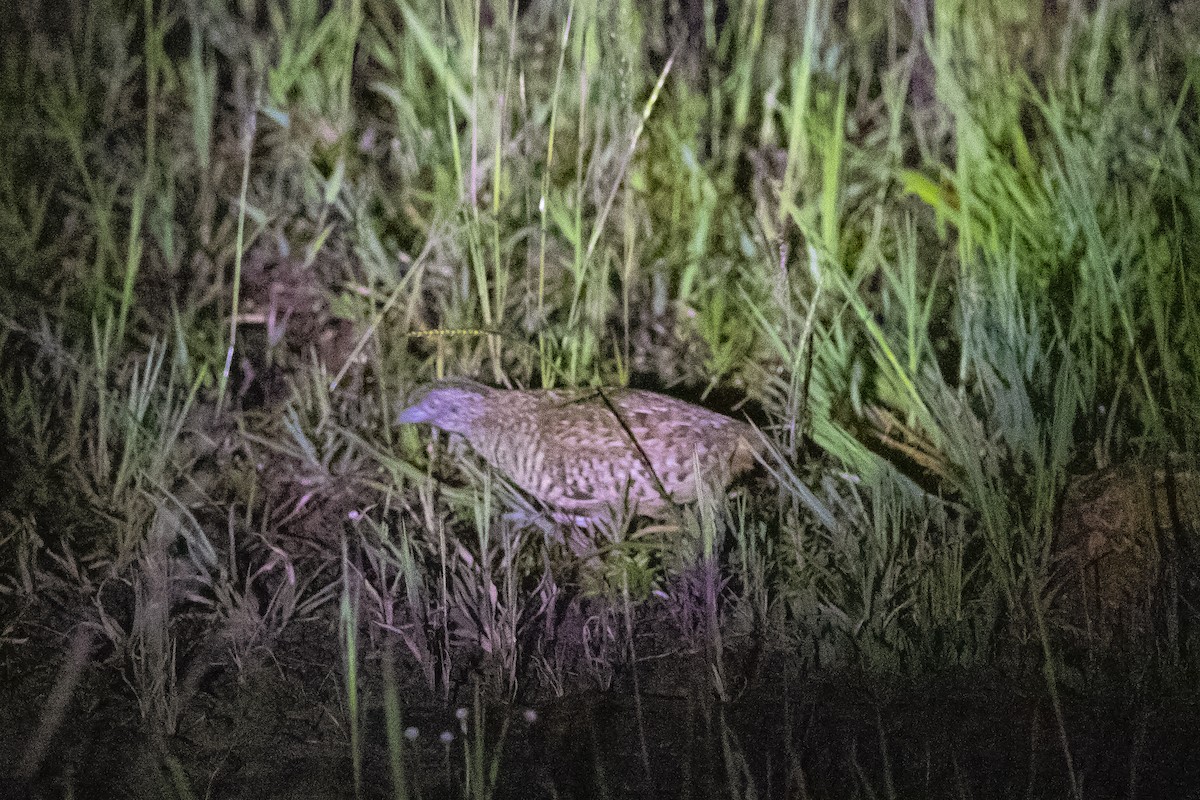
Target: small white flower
[412,732]
[530,715]
[447,737]
[460,713]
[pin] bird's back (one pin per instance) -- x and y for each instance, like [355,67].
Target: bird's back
[570,450]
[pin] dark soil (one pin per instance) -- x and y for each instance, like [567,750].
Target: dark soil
[277,728]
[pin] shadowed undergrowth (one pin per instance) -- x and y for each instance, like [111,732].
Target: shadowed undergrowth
[939,254]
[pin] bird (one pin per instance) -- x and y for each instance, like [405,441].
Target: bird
[590,454]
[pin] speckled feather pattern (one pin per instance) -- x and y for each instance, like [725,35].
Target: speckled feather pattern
[569,450]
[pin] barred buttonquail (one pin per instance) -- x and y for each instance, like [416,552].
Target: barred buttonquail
[571,451]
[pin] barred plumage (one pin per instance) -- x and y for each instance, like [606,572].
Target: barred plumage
[571,451]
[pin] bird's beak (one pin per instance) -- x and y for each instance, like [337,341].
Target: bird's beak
[412,414]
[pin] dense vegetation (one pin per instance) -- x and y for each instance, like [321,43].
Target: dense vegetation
[942,254]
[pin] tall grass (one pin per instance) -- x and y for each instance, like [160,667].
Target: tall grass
[948,258]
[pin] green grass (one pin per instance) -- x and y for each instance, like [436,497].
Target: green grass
[232,243]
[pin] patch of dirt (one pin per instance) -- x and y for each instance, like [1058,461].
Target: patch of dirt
[279,729]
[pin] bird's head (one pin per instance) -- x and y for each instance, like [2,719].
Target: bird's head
[451,405]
